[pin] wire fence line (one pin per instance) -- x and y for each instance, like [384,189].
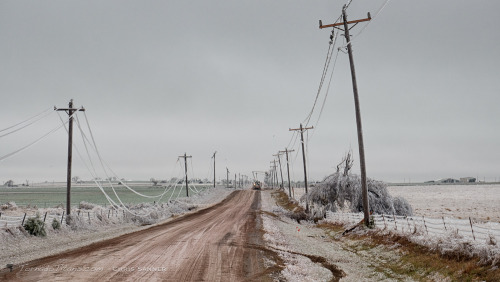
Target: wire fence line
[469,229]
[7,221]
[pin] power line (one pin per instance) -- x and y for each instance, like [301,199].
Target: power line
[30,144]
[26,120]
[16,130]
[323,75]
[368,23]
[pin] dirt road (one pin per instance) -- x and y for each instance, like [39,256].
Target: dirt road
[223,242]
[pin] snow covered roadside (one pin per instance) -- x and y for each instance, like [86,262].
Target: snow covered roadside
[310,254]
[16,246]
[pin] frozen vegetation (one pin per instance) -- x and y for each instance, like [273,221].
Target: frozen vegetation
[342,192]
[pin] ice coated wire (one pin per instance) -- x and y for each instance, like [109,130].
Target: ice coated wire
[17,129]
[32,143]
[368,23]
[26,120]
[110,200]
[114,174]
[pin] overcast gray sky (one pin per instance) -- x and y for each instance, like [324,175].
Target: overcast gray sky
[160,78]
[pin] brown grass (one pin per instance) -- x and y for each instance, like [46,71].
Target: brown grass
[418,261]
[295,211]
[283,201]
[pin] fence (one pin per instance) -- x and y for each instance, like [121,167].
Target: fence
[84,216]
[469,229]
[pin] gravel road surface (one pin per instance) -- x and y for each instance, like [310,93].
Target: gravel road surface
[220,243]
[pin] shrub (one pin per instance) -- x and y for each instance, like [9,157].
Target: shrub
[35,226]
[55,224]
[340,192]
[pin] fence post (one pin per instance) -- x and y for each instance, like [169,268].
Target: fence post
[23,219]
[395,224]
[44,217]
[425,225]
[409,227]
[444,225]
[385,224]
[88,213]
[109,211]
[473,236]
[62,217]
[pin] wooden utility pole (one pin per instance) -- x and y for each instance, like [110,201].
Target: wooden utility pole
[186,170]
[214,166]
[272,169]
[276,174]
[364,187]
[302,129]
[227,177]
[288,171]
[70,110]
[235,181]
[281,171]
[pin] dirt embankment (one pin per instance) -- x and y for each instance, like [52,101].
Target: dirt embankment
[219,243]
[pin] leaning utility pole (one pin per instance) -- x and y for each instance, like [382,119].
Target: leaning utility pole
[186,170]
[281,171]
[288,171]
[214,166]
[366,208]
[303,156]
[70,110]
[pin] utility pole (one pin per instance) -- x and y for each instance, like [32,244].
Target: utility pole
[227,177]
[302,129]
[214,166]
[366,208]
[235,181]
[272,169]
[288,171]
[70,110]
[186,170]
[276,174]
[281,171]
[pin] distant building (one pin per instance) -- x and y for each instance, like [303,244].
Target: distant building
[468,179]
[447,180]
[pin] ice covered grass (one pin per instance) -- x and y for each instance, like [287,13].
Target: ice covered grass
[450,242]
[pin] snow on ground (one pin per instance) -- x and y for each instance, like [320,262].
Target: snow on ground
[453,201]
[458,201]
[16,246]
[295,243]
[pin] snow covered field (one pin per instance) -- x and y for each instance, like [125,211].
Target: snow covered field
[459,201]
[480,202]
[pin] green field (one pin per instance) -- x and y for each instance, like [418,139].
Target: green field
[52,196]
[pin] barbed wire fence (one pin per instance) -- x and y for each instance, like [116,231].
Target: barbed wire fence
[469,229]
